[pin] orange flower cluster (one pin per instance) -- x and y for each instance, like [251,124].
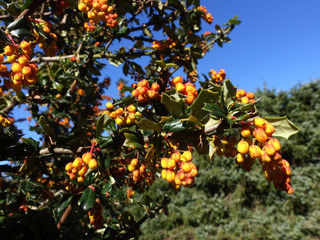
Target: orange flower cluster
[206,16]
[257,142]
[179,169]
[127,116]
[5,122]
[218,77]
[139,171]
[48,49]
[95,215]
[98,10]
[22,72]
[144,92]
[163,45]
[245,97]
[187,89]
[79,167]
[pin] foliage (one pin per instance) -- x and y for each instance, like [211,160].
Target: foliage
[82,174]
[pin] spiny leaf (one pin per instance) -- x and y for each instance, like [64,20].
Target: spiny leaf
[146,124]
[102,122]
[283,126]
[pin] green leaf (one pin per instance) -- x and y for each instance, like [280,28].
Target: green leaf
[191,118]
[169,65]
[102,122]
[61,207]
[146,124]
[173,126]
[283,127]
[19,23]
[153,153]
[136,67]
[47,128]
[29,166]
[31,143]
[88,199]
[215,110]
[26,4]
[229,93]
[173,101]
[205,96]
[132,140]
[20,32]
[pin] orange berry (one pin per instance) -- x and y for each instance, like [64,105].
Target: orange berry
[82,7]
[243,147]
[69,166]
[245,131]
[16,67]
[269,129]
[264,158]
[240,93]
[109,105]
[260,135]
[77,163]
[244,100]
[187,156]
[25,45]
[176,156]
[240,158]
[135,93]
[250,95]
[177,80]
[93,164]
[83,171]
[259,122]
[1,58]
[134,162]
[164,162]
[3,68]
[171,163]
[164,174]
[185,167]
[120,121]
[80,179]
[254,151]
[270,149]
[27,71]
[9,50]
[276,143]
[170,175]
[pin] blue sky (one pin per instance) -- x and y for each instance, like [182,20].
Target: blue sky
[276,44]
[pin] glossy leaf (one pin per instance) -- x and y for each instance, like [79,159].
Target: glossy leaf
[88,199]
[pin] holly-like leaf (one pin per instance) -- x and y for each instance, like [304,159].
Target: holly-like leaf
[173,126]
[205,96]
[215,110]
[102,122]
[88,199]
[229,93]
[47,128]
[146,124]
[132,140]
[283,127]
[173,101]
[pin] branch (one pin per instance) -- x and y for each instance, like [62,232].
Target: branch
[31,9]
[61,150]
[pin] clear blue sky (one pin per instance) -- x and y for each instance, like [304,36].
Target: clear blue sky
[277,43]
